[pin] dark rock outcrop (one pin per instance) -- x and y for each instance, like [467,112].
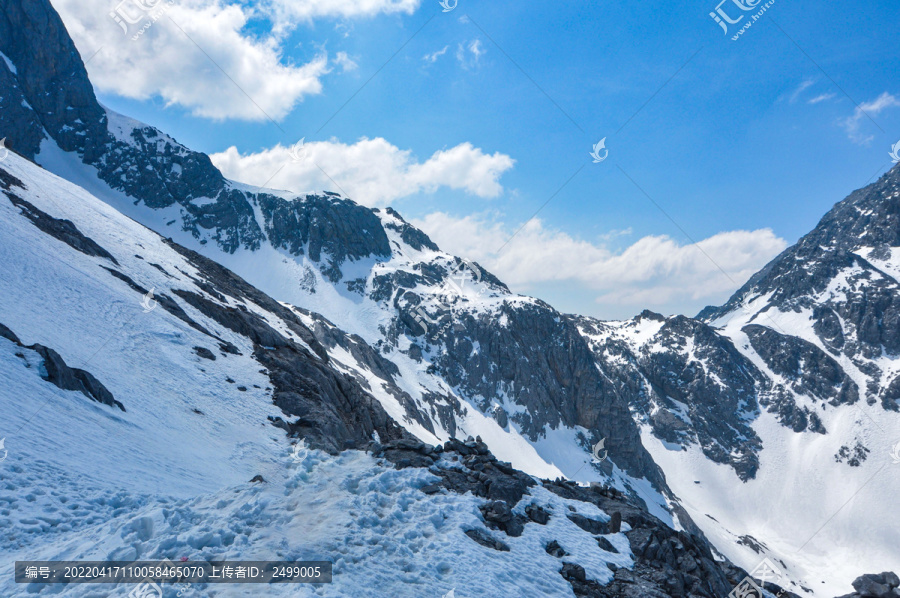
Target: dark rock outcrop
[668,563]
[63,230]
[688,382]
[332,410]
[58,373]
[882,585]
[840,275]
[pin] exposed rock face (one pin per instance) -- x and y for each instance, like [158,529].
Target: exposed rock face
[333,411]
[686,380]
[63,230]
[58,373]
[810,370]
[49,94]
[706,380]
[668,563]
[883,585]
[50,89]
[536,356]
[841,279]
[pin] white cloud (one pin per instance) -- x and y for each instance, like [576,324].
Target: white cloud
[867,110]
[821,98]
[435,55]
[800,89]
[306,10]
[475,48]
[470,54]
[372,172]
[182,56]
[345,62]
[654,272]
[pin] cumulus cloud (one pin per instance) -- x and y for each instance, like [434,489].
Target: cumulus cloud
[655,271]
[293,10]
[194,54]
[867,110]
[373,172]
[199,54]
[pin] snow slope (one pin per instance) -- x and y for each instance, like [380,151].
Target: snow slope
[169,477]
[299,280]
[823,521]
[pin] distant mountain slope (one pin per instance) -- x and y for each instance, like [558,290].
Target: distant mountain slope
[789,389]
[834,295]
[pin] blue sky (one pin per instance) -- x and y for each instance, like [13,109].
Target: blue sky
[760,135]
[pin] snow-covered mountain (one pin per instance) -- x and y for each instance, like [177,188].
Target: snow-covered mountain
[444,345]
[757,422]
[775,417]
[152,426]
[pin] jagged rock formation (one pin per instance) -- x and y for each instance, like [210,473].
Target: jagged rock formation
[840,281]
[883,585]
[55,371]
[667,563]
[685,380]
